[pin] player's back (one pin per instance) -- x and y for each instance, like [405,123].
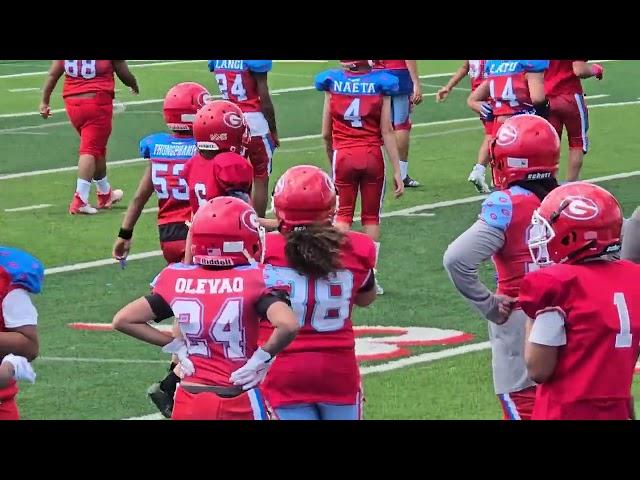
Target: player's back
[355,106]
[200,177]
[510,211]
[168,155]
[508,86]
[323,305]
[237,84]
[215,310]
[88,76]
[559,79]
[600,303]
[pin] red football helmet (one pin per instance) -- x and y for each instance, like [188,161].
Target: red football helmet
[526,147]
[575,221]
[225,233]
[233,172]
[304,194]
[356,64]
[181,104]
[220,126]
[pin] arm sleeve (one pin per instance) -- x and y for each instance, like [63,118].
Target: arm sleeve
[269,299]
[159,306]
[323,81]
[461,261]
[631,238]
[536,66]
[548,328]
[18,310]
[369,284]
[259,66]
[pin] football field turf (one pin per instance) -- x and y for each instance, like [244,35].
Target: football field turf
[431,361]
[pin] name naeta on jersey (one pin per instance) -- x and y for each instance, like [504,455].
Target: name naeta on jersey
[353,86]
[209,285]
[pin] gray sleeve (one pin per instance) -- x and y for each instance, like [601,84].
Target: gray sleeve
[461,260]
[631,238]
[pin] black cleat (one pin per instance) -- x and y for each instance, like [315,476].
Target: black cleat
[161,399]
[410,182]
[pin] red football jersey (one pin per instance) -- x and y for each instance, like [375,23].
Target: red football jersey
[320,364]
[600,304]
[476,73]
[87,76]
[510,211]
[237,83]
[559,79]
[168,154]
[356,105]
[201,175]
[391,64]
[216,312]
[508,84]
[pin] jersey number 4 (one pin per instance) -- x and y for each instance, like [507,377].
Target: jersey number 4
[237,88]
[352,113]
[507,95]
[85,68]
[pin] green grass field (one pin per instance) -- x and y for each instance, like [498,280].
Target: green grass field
[103,375]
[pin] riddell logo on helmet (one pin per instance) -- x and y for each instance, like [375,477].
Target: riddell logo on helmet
[232,119]
[580,208]
[506,135]
[218,137]
[215,262]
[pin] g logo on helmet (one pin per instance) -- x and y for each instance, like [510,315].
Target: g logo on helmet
[250,220]
[232,119]
[580,208]
[506,135]
[203,98]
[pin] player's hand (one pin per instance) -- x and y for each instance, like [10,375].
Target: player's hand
[276,140]
[22,369]
[398,184]
[597,70]
[178,347]
[486,111]
[442,94]
[416,98]
[269,224]
[121,248]
[135,89]
[45,111]
[253,372]
[505,306]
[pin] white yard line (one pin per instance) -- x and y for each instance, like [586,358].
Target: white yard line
[100,263]
[19,90]
[30,207]
[601,95]
[97,360]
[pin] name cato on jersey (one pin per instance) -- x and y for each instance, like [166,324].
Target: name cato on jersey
[504,67]
[174,150]
[353,86]
[211,286]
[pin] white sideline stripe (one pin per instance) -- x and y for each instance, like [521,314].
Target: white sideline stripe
[29,89]
[100,263]
[30,207]
[388,366]
[395,213]
[31,127]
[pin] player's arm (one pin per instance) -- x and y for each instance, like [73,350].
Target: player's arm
[462,72]
[412,66]
[367,293]
[20,319]
[583,69]
[461,261]
[55,72]
[276,307]
[327,134]
[545,334]
[631,238]
[478,98]
[535,81]
[268,110]
[143,193]
[133,319]
[124,74]
[391,144]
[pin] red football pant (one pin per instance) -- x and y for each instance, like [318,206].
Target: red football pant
[359,169]
[518,405]
[489,127]
[9,410]
[209,406]
[92,118]
[571,112]
[173,252]
[260,153]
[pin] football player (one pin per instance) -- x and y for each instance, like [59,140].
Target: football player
[317,377]
[631,239]
[524,159]
[356,122]
[218,302]
[584,308]
[88,94]
[244,82]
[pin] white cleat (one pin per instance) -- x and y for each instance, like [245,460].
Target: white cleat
[477,178]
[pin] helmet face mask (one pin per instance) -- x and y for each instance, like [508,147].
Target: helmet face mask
[539,235]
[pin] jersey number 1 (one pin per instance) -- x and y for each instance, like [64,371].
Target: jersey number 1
[624,338]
